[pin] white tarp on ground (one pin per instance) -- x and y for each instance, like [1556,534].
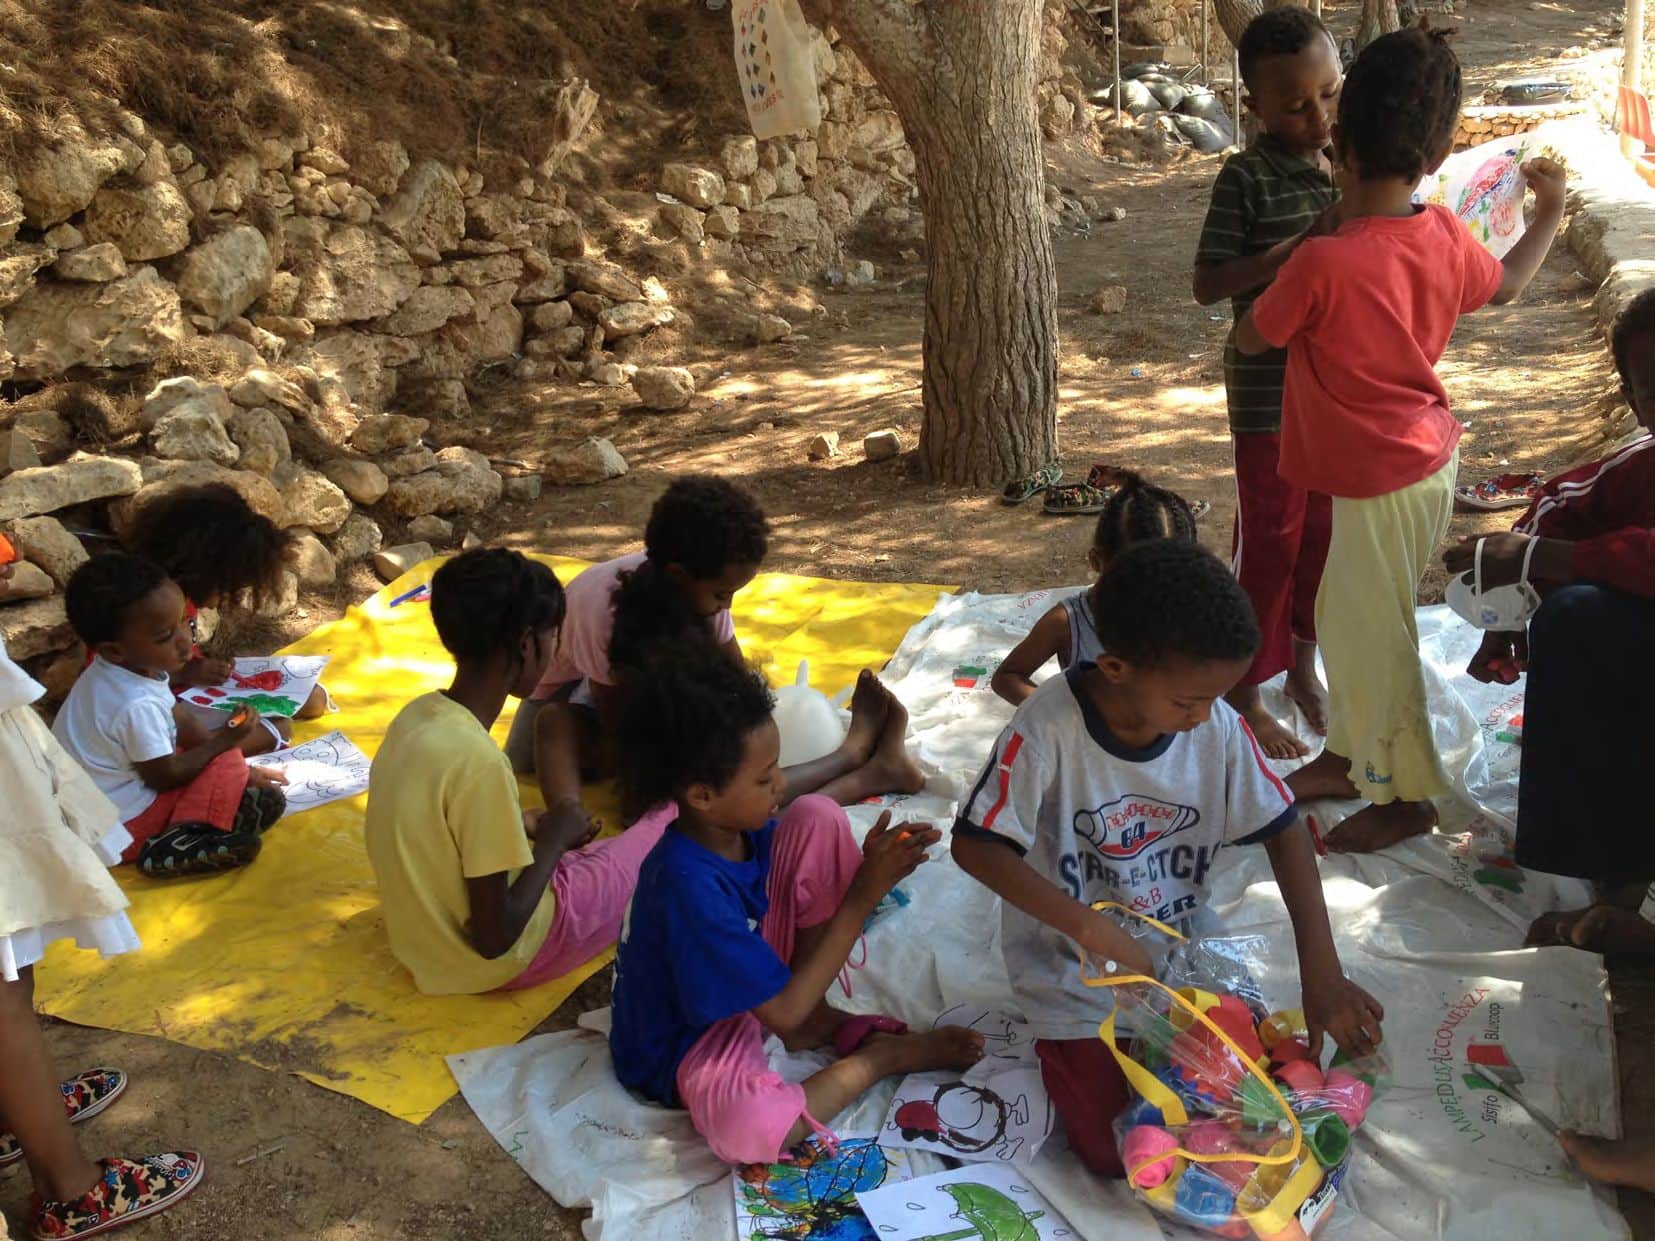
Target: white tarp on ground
[1432,928]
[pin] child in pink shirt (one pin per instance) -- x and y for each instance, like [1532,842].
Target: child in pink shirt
[1364,314]
[704,542]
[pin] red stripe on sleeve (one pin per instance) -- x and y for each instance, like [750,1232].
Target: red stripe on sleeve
[1008,760]
[1286,794]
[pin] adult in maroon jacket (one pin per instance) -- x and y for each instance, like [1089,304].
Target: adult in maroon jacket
[1589,706]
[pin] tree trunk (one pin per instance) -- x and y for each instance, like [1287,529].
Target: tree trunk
[1378,17]
[1233,16]
[961,75]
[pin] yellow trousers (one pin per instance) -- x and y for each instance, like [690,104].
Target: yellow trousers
[1377,714]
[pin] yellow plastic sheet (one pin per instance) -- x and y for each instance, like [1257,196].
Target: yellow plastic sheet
[285,964]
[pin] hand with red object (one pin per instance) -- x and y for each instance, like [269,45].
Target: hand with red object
[1501,659]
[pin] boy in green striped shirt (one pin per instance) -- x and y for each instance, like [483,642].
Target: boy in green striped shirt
[1266,200]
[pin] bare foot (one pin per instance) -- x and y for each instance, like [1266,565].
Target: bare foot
[891,770]
[1306,690]
[1373,828]
[870,703]
[1629,1161]
[1326,775]
[948,1047]
[1275,738]
[1602,928]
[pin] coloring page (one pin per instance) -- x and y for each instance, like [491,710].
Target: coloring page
[978,1202]
[277,685]
[1003,1118]
[1484,187]
[813,1198]
[1007,1040]
[318,772]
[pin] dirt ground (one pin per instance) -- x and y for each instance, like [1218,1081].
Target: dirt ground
[1142,389]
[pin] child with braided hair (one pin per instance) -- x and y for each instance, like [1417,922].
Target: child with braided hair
[1365,313]
[1136,511]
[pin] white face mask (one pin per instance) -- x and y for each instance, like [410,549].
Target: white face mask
[1502,608]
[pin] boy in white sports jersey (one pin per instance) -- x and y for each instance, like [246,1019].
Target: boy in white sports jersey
[1123,780]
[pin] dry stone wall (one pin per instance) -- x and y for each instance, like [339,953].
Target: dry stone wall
[303,327]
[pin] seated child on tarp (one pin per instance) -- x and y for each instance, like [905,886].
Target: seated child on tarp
[1122,781]
[190,809]
[705,541]
[223,555]
[477,894]
[1136,510]
[742,920]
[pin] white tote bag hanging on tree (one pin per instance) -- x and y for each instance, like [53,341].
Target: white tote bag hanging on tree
[775,66]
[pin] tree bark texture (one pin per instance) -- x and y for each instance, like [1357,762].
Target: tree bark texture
[961,75]
[1378,17]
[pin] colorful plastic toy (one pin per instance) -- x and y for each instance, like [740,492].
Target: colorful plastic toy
[1327,1136]
[1300,1076]
[1348,1096]
[1145,1143]
[1237,1130]
[1202,1198]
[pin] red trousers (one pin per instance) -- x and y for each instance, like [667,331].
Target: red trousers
[213,797]
[1281,538]
[1088,1090]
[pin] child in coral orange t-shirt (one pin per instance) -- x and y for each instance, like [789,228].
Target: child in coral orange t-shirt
[1365,314]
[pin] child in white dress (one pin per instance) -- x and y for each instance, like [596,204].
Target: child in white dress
[58,837]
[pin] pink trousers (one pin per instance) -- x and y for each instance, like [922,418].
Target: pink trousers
[725,1083]
[593,887]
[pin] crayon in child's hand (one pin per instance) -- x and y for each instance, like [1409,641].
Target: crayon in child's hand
[239,716]
[8,553]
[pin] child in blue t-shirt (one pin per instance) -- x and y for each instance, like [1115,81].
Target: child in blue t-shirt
[740,923]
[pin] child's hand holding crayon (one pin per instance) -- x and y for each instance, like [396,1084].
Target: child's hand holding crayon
[890,855]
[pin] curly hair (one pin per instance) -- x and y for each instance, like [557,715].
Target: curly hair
[688,713]
[1137,510]
[1169,599]
[1638,319]
[212,543]
[1400,104]
[704,525]
[104,589]
[484,601]
[650,609]
[1286,31]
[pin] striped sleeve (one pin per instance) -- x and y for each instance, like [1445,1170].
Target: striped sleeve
[1005,801]
[1259,803]
[1231,216]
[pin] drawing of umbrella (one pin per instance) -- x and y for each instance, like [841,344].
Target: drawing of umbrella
[992,1216]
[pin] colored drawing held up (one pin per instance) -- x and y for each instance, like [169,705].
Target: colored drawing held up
[278,685]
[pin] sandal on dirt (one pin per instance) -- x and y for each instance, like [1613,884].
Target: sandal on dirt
[1199,509]
[128,1190]
[1075,500]
[84,1096]
[1021,489]
[1501,491]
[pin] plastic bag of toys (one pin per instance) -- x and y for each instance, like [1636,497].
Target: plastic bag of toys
[1235,1129]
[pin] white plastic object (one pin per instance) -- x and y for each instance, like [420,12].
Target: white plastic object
[809,723]
[776,67]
